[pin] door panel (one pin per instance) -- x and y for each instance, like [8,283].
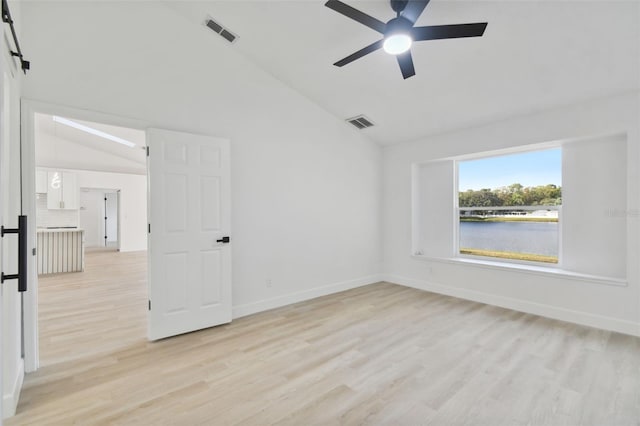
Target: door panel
[212,267]
[189,210]
[210,196]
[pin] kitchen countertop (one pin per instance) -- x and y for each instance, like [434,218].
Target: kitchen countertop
[60,230]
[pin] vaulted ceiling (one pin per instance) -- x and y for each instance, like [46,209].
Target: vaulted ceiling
[59,145]
[534,55]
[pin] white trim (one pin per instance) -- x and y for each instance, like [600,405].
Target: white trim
[10,400]
[301,296]
[527,268]
[554,312]
[30,297]
[499,208]
[536,146]
[500,262]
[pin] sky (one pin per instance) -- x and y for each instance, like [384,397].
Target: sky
[529,169]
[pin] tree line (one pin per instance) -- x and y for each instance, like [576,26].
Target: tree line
[512,195]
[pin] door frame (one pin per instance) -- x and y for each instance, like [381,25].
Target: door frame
[29,108]
[7,76]
[104,192]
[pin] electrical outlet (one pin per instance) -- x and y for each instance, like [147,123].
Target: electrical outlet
[268,282]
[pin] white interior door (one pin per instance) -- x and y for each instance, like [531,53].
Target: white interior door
[4,189]
[111,213]
[92,217]
[189,214]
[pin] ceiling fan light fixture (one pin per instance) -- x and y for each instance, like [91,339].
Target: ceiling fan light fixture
[397,36]
[396,44]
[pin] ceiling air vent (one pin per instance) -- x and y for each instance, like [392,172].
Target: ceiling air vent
[361,122]
[220,30]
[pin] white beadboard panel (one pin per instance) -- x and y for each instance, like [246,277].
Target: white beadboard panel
[60,251]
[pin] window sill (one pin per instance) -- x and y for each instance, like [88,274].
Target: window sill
[527,269]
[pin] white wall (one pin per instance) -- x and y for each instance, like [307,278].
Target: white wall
[46,218]
[305,187]
[607,306]
[12,366]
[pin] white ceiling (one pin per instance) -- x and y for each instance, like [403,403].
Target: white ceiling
[77,149]
[533,56]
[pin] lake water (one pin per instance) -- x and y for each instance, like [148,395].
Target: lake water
[519,237]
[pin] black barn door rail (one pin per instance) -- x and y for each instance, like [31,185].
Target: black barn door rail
[6,18]
[21,276]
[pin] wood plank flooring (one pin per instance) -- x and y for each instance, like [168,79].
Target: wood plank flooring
[380,354]
[99,310]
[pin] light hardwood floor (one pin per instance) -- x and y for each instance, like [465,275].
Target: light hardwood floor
[99,310]
[380,354]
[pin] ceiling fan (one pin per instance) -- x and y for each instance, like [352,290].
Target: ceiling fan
[399,32]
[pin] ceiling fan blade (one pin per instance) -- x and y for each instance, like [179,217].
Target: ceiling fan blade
[360,53]
[414,9]
[356,15]
[406,64]
[437,32]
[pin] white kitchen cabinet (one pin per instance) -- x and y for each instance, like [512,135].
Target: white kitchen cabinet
[62,191]
[41,181]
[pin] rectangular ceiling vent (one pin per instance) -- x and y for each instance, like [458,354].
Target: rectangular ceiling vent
[361,122]
[220,30]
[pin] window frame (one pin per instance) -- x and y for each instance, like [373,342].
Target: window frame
[457,209]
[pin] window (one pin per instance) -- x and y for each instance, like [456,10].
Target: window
[509,206]
[567,205]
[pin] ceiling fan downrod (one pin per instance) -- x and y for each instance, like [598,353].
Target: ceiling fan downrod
[398,5]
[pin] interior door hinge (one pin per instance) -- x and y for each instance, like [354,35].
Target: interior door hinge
[149,228]
[149,304]
[147,151]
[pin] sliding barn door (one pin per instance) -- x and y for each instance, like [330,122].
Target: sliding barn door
[189,224]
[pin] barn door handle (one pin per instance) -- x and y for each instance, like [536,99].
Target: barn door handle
[21,276]
[224,240]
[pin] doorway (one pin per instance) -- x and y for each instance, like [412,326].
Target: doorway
[89,202]
[99,212]
[188,192]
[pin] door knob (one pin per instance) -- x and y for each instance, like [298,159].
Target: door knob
[224,240]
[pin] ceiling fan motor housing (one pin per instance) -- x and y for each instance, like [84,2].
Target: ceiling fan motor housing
[398,25]
[398,5]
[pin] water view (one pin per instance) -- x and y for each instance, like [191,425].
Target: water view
[509,205]
[516,237]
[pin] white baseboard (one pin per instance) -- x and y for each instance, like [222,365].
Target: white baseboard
[10,400]
[301,296]
[554,312]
